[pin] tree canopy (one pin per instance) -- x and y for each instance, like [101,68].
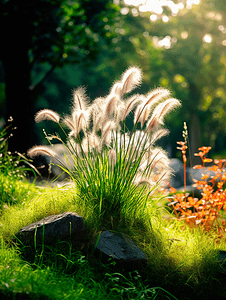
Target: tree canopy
[181,46]
[178,45]
[52,32]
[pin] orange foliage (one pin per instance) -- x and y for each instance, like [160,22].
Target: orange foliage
[204,212]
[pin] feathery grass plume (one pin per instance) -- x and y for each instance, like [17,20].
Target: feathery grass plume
[153,123]
[111,105]
[137,113]
[156,95]
[161,165]
[159,113]
[96,113]
[82,120]
[106,132]
[80,100]
[131,79]
[41,150]
[158,135]
[129,105]
[153,160]
[47,114]
[166,107]
[94,141]
[143,110]
[144,115]
[85,146]
[116,88]
[107,158]
[161,160]
[72,126]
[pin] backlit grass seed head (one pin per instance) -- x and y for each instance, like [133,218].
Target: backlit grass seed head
[82,120]
[159,113]
[80,99]
[111,105]
[97,116]
[72,126]
[164,108]
[131,79]
[116,89]
[161,160]
[153,123]
[94,142]
[143,111]
[158,135]
[155,159]
[41,150]
[144,115]
[129,106]
[47,114]
[85,145]
[108,158]
[156,95]
[137,113]
[106,132]
[141,180]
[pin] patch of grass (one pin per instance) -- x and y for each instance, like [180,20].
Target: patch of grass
[180,261]
[60,273]
[19,277]
[14,188]
[45,202]
[115,174]
[14,191]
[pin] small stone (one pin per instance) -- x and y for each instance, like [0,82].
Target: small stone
[52,228]
[119,247]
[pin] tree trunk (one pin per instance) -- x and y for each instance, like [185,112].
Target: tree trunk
[195,138]
[195,125]
[19,104]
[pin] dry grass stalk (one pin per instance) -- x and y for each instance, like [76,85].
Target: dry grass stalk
[131,79]
[47,114]
[41,150]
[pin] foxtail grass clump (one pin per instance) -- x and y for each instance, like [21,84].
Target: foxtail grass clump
[116,170]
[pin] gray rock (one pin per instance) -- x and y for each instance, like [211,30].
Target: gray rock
[197,174]
[119,247]
[52,228]
[177,179]
[191,190]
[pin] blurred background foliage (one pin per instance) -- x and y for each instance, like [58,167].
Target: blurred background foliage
[180,45]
